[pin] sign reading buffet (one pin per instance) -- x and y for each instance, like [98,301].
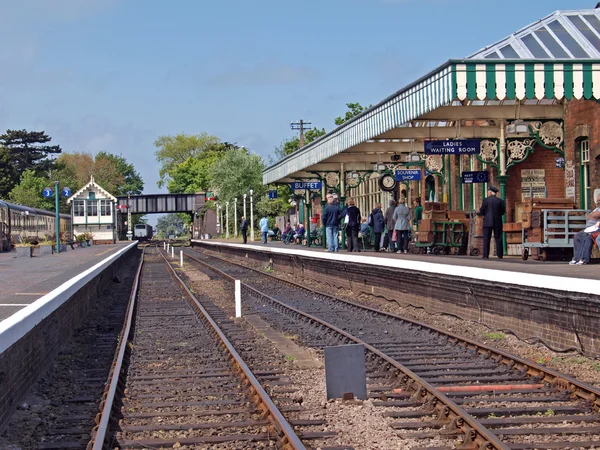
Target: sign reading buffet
[453,147]
[312,185]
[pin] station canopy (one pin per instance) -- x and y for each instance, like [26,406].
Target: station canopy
[526,76]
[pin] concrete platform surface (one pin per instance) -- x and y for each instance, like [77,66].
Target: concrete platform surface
[24,280]
[508,263]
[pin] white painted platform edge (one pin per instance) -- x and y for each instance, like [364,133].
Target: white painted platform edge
[529,280]
[20,323]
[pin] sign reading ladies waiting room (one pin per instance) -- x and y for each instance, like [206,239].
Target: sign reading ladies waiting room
[453,147]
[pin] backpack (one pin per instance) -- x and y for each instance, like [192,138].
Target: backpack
[370,221]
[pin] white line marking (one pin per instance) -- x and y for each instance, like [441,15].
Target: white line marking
[532,280]
[15,304]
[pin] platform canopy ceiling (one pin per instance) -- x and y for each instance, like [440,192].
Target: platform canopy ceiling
[467,98]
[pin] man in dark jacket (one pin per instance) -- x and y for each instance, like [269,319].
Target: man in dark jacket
[492,208]
[244,229]
[331,223]
[389,223]
[377,224]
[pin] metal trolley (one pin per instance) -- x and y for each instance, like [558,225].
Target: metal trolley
[448,237]
[558,229]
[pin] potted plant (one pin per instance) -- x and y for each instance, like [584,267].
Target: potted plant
[81,240]
[24,249]
[46,247]
[89,238]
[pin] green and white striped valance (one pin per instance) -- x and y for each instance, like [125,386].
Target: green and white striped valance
[526,80]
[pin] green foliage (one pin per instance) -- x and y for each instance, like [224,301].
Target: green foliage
[23,150]
[235,174]
[291,145]
[494,335]
[193,175]
[29,192]
[130,181]
[175,150]
[354,109]
[171,224]
[275,207]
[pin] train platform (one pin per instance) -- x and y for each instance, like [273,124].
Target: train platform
[518,270]
[25,280]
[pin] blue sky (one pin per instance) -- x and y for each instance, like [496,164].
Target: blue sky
[115,74]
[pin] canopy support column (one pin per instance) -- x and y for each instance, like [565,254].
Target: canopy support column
[502,177]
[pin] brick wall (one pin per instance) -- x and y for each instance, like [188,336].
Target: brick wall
[541,158]
[556,318]
[23,362]
[582,120]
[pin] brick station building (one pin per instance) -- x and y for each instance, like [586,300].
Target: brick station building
[530,100]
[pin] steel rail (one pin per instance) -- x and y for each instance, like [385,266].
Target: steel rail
[582,390]
[474,431]
[100,432]
[289,439]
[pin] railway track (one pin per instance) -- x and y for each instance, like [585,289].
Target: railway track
[177,381]
[437,384]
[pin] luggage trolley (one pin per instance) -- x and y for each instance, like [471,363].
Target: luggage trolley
[447,236]
[471,249]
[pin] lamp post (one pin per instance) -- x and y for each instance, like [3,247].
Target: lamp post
[251,217]
[57,217]
[235,216]
[227,220]
[218,224]
[129,233]
[245,206]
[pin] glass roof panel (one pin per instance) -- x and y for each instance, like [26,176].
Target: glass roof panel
[551,44]
[585,30]
[568,40]
[493,55]
[534,47]
[593,20]
[509,52]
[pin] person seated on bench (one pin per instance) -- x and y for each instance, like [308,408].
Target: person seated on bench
[287,231]
[274,234]
[299,235]
[583,241]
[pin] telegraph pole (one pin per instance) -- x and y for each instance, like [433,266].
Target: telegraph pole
[301,125]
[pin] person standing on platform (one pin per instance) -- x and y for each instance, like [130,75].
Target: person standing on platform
[402,225]
[331,222]
[389,223]
[264,228]
[353,217]
[377,224]
[244,229]
[418,213]
[492,209]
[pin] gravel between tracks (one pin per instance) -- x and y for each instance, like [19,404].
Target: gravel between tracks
[570,363]
[358,423]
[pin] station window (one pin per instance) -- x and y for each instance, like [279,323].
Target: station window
[78,208]
[92,208]
[586,194]
[105,208]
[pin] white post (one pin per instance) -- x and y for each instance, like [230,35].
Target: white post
[251,217]
[218,225]
[238,298]
[245,215]
[172,252]
[235,216]
[181,258]
[167,247]
[164,245]
[226,220]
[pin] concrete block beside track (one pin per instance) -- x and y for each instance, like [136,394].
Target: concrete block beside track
[561,312]
[32,337]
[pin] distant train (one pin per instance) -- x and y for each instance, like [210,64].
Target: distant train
[142,232]
[26,223]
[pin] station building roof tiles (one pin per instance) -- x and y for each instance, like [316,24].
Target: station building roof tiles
[561,35]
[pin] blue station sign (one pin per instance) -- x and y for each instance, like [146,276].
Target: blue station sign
[475,177]
[47,193]
[66,192]
[312,185]
[408,175]
[453,147]
[272,194]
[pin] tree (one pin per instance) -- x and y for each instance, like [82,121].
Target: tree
[275,207]
[29,192]
[291,145]
[24,150]
[175,150]
[236,173]
[354,110]
[128,180]
[168,225]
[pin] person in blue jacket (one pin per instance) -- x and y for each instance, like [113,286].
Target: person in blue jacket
[264,228]
[331,222]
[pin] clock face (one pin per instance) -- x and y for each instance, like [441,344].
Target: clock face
[388,183]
